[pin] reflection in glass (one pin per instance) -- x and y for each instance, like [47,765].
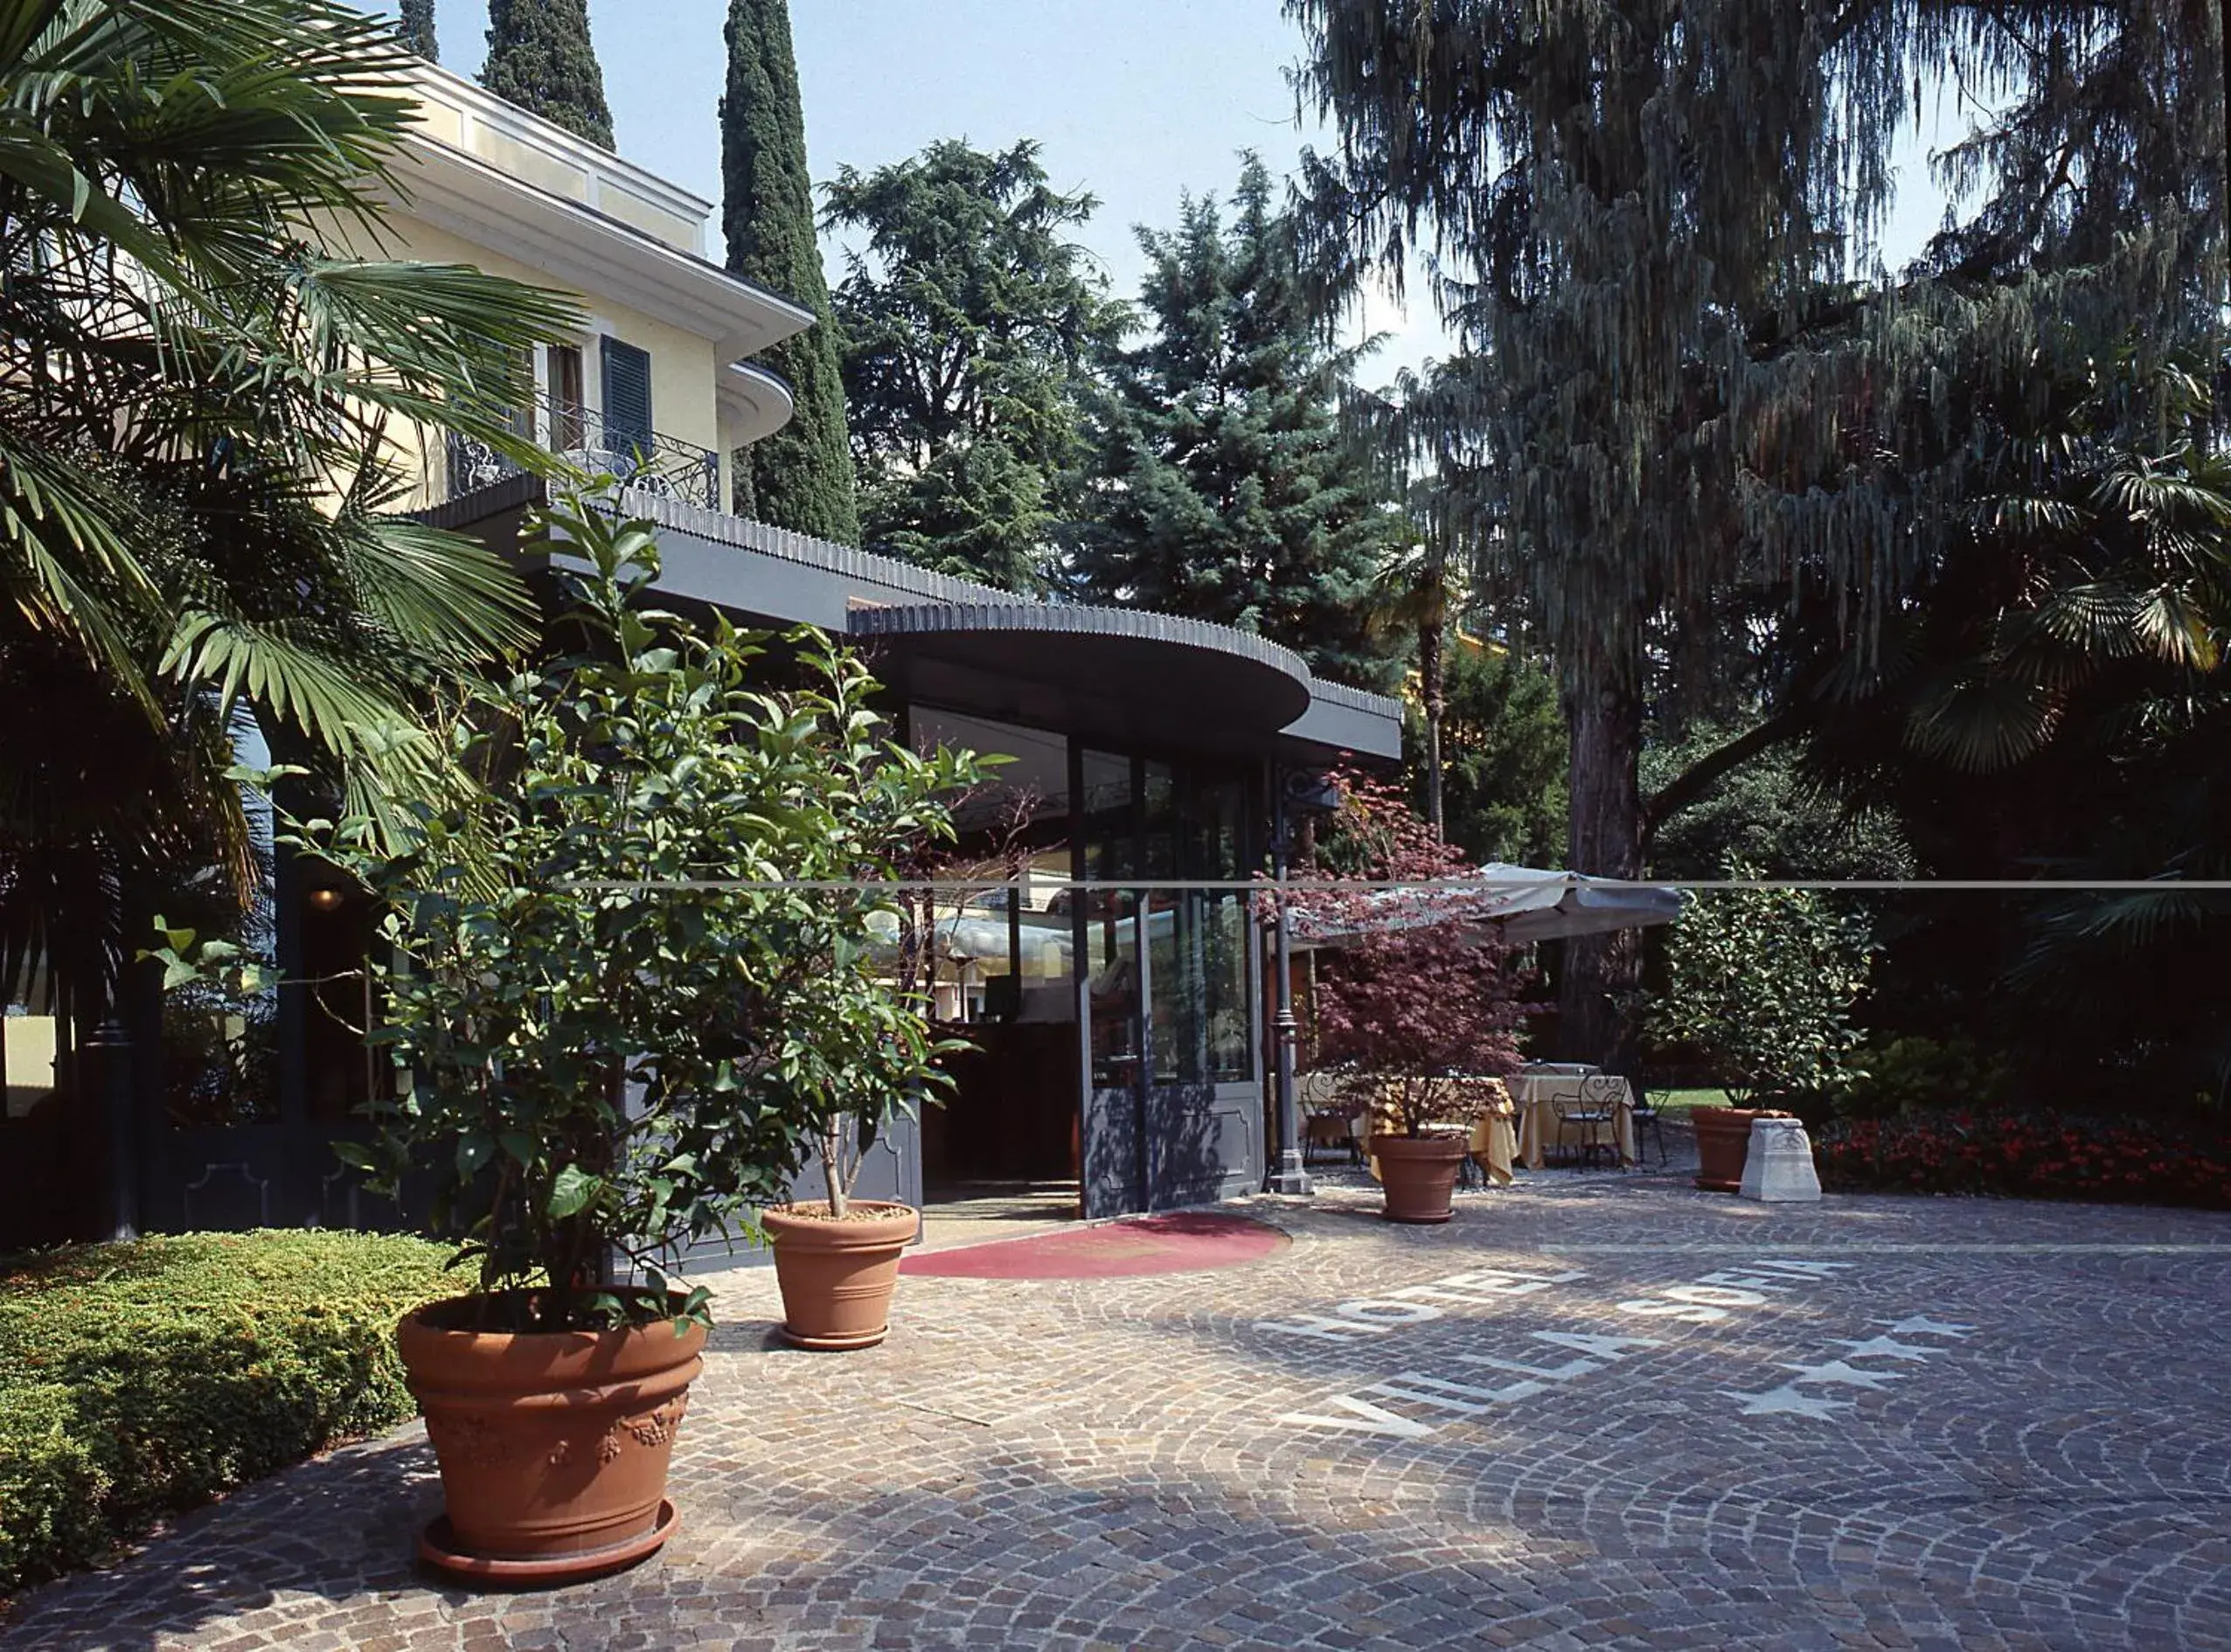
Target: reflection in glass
[28,1048]
[1219,853]
[1197,939]
[1033,788]
[1111,925]
[1001,954]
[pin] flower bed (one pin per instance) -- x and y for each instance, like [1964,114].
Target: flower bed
[140,1378]
[2017,1157]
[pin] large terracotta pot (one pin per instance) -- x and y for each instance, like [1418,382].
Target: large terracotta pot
[1723,1143]
[554,1444]
[1419,1174]
[837,1277]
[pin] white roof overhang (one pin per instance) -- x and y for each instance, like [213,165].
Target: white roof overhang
[584,251]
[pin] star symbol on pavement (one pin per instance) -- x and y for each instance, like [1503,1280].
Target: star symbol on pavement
[1786,1399]
[1835,1370]
[1922,1325]
[1886,1348]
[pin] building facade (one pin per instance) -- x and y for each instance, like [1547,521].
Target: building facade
[1119,1034]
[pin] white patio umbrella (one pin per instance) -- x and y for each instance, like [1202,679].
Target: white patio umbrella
[1531,905]
[1519,905]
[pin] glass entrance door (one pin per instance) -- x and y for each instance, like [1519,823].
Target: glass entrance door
[1203,1118]
[1173,1114]
[1113,1172]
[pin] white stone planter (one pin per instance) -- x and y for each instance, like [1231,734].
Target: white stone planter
[1779,1168]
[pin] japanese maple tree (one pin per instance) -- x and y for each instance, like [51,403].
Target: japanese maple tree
[1415,991]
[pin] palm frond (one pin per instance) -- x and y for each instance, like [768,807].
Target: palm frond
[1979,724]
[438,594]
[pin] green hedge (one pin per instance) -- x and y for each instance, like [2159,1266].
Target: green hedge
[140,1378]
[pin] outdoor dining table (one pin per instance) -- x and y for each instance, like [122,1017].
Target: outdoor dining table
[1537,1090]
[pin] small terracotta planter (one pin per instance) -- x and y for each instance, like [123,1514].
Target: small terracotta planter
[837,1277]
[554,1444]
[1419,1174]
[1723,1144]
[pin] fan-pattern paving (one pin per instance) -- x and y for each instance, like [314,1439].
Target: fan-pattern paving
[2000,1425]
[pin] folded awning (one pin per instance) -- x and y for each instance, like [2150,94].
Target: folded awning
[1515,905]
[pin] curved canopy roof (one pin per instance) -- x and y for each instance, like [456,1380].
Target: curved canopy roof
[1107,673]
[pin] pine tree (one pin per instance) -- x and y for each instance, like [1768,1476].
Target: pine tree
[971,325]
[800,477]
[539,58]
[1226,489]
[418,29]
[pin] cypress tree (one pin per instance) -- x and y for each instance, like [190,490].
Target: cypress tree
[539,58]
[418,29]
[800,477]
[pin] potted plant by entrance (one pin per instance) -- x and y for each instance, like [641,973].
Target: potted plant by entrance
[836,1259]
[1413,998]
[603,995]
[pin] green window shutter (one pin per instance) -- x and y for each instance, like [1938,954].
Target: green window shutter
[626,396]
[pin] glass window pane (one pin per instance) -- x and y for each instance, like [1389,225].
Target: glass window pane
[1231,1044]
[1111,928]
[1032,788]
[28,1046]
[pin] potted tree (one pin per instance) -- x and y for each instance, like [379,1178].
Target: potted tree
[1763,980]
[836,1258]
[875,1057]
[614,1022]
[1412,999]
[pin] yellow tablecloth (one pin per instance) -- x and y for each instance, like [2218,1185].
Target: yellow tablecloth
[1539,1124]
[1494,1142]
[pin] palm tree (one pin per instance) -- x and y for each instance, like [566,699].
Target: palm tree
[1415,595]
[2057,700]
[204,417]
[1438,468]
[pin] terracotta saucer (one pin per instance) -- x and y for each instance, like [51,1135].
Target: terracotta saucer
[577,1566]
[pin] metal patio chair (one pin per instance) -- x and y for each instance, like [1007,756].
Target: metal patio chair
[1594,1113]
[1647,1117]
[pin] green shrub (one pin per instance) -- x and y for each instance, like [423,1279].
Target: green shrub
[1761,982]
[1901,1077]
[51,1488]
[139,1378]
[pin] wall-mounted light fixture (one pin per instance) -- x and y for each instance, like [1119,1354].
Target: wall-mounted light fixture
[323,900]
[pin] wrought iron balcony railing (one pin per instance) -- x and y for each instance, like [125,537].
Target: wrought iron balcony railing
[660,464]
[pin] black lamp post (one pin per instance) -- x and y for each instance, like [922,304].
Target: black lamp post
[1299,791]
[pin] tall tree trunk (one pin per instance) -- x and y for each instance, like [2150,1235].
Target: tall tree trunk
[1433,676]
[1600,970]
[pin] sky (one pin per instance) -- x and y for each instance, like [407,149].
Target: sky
[1138,101]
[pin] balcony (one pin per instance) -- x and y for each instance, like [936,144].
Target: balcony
[661,465]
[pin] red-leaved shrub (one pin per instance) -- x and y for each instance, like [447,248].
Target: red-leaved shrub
[2019,1157]
[1414,993]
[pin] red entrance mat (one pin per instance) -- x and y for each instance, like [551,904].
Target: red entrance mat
[1176,1244]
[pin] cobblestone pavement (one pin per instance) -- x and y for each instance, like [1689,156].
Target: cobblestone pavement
[1589,1412]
